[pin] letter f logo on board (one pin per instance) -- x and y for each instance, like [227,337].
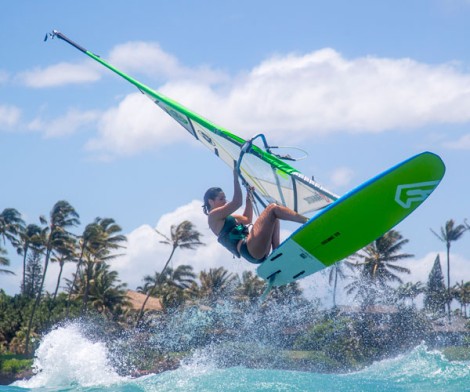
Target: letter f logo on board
[407,194]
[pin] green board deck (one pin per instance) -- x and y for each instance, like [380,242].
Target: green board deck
[354,220]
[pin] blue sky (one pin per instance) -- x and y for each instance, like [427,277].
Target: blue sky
[360,85]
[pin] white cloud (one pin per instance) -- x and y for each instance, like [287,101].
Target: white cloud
[307,95]
[342,176]
[142,255]
[9,116]
[461,144]
[135,125]
[292,97]
[420,268]
[68,124]
[317,285]
[323,92]
[145,254]
[60,74]
[150,59]
[145,57]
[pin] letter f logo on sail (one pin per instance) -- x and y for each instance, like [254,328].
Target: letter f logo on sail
[408,194]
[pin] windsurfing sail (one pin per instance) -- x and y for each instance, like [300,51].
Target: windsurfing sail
[273,179]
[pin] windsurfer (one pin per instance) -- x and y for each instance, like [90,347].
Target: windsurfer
[232,230]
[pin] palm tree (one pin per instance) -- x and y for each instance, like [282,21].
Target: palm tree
[62,217]
[215,283]
[30,238]
[84,243]
[410,290]
[107,294]
[337,271]
[449,234]
[64,253]
[11,225]
[378,268]
[149,282]
[4,261]
[103,240]
[181,278]
[462,294]
[182,236]
[251,287]
[171,286]
[286,294]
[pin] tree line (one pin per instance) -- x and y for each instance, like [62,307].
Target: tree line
[373,275]
[376,272]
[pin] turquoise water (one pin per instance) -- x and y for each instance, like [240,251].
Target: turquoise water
[418,371]
[66,360]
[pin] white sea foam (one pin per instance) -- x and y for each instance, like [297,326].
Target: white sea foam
[66,357]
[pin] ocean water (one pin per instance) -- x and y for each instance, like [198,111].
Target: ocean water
[70,359]
[91,355]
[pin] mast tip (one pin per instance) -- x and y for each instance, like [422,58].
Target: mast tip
[52,35]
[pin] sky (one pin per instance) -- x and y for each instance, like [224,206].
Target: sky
[361,86]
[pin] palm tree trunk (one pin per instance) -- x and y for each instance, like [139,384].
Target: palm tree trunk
[55,292]
[79,264]
[58,280]
[334,288]
[24,270]
[89,274]
[157,281]
[448,280]
[38,298]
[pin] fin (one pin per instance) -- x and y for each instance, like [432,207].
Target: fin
[271,280]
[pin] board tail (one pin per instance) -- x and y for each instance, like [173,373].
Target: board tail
[356,219]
